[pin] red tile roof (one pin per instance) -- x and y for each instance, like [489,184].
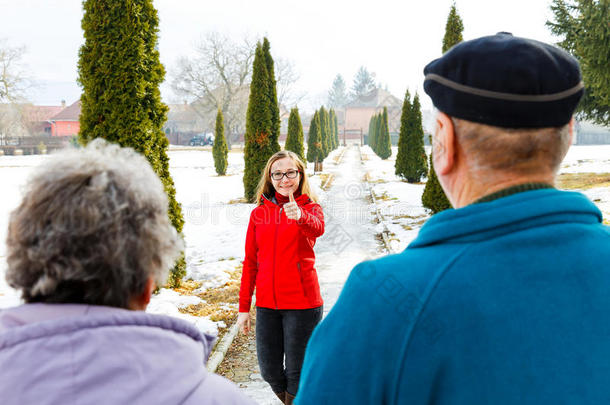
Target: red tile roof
[41,113]
[71,113]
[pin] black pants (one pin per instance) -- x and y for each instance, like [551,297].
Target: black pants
[281,338]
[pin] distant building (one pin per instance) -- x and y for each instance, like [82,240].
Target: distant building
[183,122]
[66,122]
[354,118]
[587,133]
[38,118]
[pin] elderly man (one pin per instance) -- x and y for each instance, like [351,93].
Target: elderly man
[504,299]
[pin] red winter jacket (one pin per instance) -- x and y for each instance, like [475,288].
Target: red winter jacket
[280,259]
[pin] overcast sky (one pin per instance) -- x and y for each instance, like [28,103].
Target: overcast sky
[395,39]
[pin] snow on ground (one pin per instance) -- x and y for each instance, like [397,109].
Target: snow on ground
[587,159]
[399,202]
[216,219]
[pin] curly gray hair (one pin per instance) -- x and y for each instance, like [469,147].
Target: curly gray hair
[92,228]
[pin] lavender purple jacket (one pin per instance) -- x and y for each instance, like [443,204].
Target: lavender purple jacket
[80,354]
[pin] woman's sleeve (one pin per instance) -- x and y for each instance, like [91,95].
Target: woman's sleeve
[249,270]
[312,221]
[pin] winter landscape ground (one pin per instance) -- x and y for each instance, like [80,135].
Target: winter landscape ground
[216,221]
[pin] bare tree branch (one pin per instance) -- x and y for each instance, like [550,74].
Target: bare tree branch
[219,74]
[13,81]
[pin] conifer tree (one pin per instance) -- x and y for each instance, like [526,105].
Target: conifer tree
[274,108]
[259,145]
[385,144]
[331,125]
[453,29]
[294,140]
[220,150]
[434,197]
[411,162]
[583,28]
[314,140]
[378,129]
[372,132]
[335,125]
[325,131]
[400,167]
[120,72]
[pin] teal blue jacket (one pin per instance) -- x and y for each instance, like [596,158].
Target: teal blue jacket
[504,302]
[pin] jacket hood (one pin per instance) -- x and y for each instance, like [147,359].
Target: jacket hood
[508,214]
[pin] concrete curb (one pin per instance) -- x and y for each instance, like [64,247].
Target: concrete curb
[342,153]
[221,349]
[328,180]
[385,235]
[330,175]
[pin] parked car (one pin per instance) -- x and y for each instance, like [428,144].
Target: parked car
[202,140]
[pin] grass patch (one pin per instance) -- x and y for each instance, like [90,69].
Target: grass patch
[240,200]
[385,197]
[215,299]
[582,181]
[405,216]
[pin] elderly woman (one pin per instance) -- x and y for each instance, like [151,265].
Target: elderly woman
[86,247]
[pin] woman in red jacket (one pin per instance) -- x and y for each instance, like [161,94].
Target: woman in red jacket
[280,264]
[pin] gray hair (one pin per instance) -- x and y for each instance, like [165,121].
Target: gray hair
[92,228]
[519,150]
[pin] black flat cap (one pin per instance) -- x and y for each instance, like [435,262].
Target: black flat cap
[506,81]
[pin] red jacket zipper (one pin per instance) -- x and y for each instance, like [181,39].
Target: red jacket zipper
[275,255]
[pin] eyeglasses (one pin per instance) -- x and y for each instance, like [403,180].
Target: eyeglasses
[290,174]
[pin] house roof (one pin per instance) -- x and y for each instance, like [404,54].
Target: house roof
[42,112]
[70,113]
[376,98]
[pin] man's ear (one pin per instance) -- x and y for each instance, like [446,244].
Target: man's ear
[444,144]
[571,130]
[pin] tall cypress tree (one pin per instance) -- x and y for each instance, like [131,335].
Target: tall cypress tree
[372,131]
[274,108]
[411,162]
[259,145]
[453,29]
[220,150]
[331,126]
[385,144]
[335,125]
[434,197]
[400,167]
[315,153]
[294,141]
[120,73]
[325,131]
[378,130]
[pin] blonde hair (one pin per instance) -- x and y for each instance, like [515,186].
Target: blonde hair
[265,186]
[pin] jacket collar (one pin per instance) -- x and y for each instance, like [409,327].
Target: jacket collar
[519,211]
[270,200]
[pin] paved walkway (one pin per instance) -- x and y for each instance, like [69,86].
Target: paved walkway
[349,239]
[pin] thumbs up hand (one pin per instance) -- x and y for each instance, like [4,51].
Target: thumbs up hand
[291,208]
